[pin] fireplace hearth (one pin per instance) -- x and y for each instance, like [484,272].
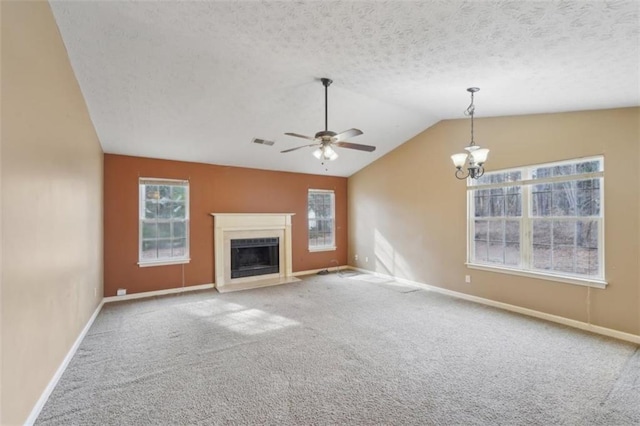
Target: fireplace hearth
[254,256]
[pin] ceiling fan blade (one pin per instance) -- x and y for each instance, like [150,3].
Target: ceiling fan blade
[348,134]
[297,135]
[357,146]
[298,147]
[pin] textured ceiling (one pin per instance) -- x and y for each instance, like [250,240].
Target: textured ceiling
[197,81]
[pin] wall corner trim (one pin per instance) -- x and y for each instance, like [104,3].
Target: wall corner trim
[621,335]
[35,412]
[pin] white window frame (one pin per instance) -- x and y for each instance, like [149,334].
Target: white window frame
[331,246]
[526,219]
[168,260]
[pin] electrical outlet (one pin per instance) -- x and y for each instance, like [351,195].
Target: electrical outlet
[467,279]
[356,257]
[95,292]
[366,259]
[121,291]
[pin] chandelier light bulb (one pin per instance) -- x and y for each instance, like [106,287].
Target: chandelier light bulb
[459,160]
[480,155]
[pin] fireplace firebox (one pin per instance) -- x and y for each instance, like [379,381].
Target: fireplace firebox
[254,256]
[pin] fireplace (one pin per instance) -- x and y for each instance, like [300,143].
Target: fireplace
[252,250]
[254,256]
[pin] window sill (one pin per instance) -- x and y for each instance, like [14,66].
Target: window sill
[540,275]
[163,263]
[314,249]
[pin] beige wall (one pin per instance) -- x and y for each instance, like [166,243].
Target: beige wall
[51,207]
[407,212]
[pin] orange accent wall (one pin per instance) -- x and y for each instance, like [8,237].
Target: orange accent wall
[213,189]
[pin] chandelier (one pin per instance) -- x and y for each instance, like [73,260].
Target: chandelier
[475,156]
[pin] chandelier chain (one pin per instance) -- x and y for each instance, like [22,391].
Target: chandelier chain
[469,112]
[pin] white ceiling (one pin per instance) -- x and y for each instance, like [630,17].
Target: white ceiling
[197,81]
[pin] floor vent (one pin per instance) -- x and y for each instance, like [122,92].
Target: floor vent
[263,141]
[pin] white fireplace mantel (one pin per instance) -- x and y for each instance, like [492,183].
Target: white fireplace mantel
[228,226]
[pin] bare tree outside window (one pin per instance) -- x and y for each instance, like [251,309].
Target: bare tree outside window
[561,225]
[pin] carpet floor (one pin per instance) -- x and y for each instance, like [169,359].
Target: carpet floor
[340,349]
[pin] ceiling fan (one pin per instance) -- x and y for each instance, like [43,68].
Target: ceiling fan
[325,139]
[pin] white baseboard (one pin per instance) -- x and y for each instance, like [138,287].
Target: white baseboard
[35,412]
[198,287]
[633,338]
[315,271]
[157,293]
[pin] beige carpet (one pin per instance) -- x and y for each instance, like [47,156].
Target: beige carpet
[340,350]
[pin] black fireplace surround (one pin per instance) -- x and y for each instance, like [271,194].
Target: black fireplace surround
[254,256]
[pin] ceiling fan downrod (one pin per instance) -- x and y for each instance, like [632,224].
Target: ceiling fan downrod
[326,82]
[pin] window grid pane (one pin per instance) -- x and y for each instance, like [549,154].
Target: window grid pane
[164,221]
[565,219]
[321,219]
[497,238]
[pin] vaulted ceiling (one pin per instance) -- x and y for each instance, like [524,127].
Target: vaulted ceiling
[198,81]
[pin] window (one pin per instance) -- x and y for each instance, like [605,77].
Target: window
[321,217]
[164,222]
[544,220]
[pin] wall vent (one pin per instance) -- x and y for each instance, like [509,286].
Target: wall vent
[263,141]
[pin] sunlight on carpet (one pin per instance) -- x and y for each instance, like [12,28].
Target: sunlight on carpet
[236,317]
[373,279]
[253,321]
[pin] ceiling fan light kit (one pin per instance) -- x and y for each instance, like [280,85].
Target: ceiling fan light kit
[325,153]
[325,140]
[475,156]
